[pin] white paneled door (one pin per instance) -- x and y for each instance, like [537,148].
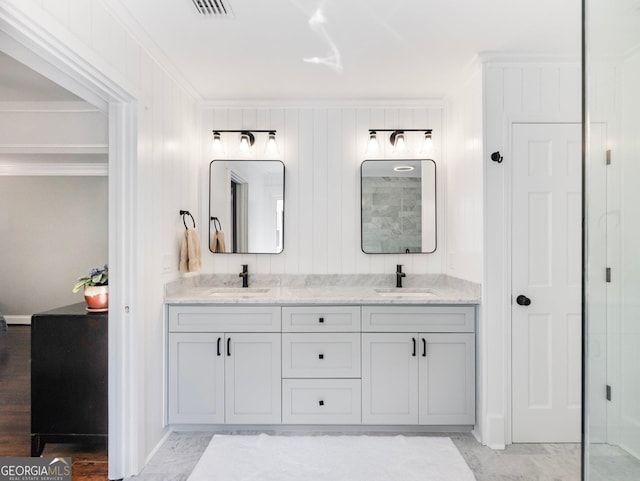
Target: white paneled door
[546,283]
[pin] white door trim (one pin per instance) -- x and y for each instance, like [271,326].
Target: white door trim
[33,39]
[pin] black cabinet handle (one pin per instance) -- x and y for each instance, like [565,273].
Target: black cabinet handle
[321,320]
[228,346]
[218,346]
[413,339]
[320,356]
[424,347]
[321,402]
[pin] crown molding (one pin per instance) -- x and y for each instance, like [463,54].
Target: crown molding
[48,107]
[54,169]
[429,102]
[522,57]
[54,149]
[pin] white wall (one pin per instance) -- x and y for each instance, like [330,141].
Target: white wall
[167,175]
[527,91]
[54,230]
[465,179]
[322,149]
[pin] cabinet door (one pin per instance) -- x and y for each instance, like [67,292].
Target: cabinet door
[252,378]
[447,379]
[389,378]
[196,378]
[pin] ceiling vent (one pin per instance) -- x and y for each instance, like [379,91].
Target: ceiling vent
[214,8]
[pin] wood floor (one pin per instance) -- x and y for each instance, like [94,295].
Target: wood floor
[89,462]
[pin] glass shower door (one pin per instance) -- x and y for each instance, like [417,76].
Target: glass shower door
[612,187]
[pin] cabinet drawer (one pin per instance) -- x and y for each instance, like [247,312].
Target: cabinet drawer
[321,355]
[321,319]
[418,319]
[321,401]
[224,318]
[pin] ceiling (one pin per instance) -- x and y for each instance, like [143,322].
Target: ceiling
[345,49]
[18,83]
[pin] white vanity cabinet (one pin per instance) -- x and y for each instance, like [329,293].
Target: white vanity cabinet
[224,365]
[384,364]
[321,365]
[418,365]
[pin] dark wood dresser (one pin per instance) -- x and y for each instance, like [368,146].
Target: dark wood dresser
[69,404]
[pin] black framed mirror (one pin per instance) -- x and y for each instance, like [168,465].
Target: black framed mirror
[246,206]
[398,206]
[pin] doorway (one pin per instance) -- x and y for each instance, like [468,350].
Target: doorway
[546,283]
[31,43]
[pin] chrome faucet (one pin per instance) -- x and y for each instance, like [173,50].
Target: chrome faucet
[399,275]
[245,275]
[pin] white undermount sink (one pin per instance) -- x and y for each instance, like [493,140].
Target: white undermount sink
[237,291]
[406,292]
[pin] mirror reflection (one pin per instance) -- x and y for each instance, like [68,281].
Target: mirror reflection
[398,203]
[246,206]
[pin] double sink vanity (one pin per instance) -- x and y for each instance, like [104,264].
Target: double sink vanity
[348,350]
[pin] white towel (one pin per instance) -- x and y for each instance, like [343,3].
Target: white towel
[190,256]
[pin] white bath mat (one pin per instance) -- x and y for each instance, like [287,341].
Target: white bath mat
[331,458]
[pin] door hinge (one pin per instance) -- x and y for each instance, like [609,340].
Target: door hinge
[608,274]
[609,157]
[608,393]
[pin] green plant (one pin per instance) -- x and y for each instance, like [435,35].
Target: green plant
[97,277]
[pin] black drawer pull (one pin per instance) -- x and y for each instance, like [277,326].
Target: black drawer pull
[228,346]
[321,320]
[321,402]
[320,356]
[413,339]
[424,347]
[218,346]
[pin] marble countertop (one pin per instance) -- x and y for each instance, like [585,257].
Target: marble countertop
[322,289]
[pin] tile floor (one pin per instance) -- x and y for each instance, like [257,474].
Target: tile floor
[522,462]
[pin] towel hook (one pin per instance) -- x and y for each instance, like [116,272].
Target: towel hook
[216,224]
[184,213]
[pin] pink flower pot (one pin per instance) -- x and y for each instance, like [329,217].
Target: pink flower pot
[97,297]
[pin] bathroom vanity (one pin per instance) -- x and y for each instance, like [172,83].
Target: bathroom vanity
[367,356]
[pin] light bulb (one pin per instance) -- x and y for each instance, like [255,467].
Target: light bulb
[373,146]
[272,147]
[216,145]
[427,145]
[399,143]
[246,141]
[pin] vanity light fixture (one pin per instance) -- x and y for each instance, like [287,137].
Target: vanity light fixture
[398,139]
[272,147]
[247,140]
[216,145]
[373,146]
[427,144]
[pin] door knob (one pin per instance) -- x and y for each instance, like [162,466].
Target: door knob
[523,300]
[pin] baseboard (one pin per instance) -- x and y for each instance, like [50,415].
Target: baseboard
[18,320]
[494,432]
[157,447]
[318,428]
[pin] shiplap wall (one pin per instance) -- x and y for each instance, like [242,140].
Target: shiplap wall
[463,206]
[167,174]
[322,149]
[513,92]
